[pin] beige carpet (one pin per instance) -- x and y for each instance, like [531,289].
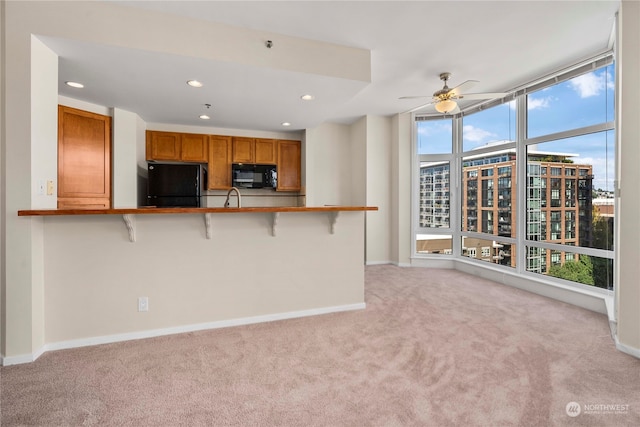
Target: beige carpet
[433,348]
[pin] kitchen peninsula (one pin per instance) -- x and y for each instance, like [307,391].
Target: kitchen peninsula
[230,269]
[128,212]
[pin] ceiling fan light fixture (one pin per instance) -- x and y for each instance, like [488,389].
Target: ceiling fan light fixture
[446,106]
[74,84]
[194,83]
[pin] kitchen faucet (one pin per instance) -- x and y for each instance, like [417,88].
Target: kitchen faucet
[226,203]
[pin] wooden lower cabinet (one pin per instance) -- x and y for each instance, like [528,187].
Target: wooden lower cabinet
[289,158]
[219,170]
[84,159]
[83,203]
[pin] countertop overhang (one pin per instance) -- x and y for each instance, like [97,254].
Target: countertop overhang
[153,210]
[128,214]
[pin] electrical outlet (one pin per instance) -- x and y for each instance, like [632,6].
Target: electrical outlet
[143,304]
[50,187]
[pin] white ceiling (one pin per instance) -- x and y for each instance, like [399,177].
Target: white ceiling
[503,44]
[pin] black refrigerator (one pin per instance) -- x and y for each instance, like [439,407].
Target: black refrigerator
[174,185]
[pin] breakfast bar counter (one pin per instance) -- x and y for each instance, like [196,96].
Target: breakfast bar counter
[154,210]
[128,213]
[195,268]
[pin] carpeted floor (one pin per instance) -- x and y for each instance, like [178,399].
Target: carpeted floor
[433,348]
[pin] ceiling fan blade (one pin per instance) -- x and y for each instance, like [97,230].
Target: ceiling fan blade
[462,87]
[414,97]
[488,95]
[419,107]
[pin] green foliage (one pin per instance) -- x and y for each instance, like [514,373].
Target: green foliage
[580,271]
[602,239]
[555,159]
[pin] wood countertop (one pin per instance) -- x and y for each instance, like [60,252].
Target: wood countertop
[155,211]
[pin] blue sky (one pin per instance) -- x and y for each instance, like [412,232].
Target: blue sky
[582,101]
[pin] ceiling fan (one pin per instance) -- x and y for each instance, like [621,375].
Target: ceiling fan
[444,99]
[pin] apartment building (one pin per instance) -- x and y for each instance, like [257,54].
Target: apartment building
[559,206]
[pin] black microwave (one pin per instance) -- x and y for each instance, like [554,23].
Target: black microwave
[254,176]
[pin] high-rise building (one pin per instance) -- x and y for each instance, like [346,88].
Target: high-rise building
[559,198]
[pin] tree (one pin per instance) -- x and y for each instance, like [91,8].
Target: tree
[580,271]
[602,239]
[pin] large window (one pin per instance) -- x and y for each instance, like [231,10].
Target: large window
[571,134]
[560,146]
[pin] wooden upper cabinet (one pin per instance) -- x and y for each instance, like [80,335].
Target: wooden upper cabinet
[243,150]
[219,173]
[254,150]
[84,159]
[265,151]
[220,152]
[194,147]
[163,145]
[289,170]
[177,147]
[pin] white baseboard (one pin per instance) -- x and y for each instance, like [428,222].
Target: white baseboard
[108,339]
[632,351]
[22,358]
[378,262]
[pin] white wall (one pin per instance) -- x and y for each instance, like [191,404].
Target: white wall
[328,166]
[628,249]
[358,164]
[211,130]
[44,168]
[400,233]
[83,105]
[378,188]
[2,191]
[124,159]
[95,274]
[21,284]
[44,124]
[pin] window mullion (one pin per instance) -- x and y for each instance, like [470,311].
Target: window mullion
[521,188]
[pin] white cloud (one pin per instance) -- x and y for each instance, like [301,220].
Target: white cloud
[588,85]
[535,103]
[434,129]
[474,134]
[602,168]
[610,83]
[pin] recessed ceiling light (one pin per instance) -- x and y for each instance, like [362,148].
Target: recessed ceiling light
[194,83]
[286,124]
[307,97]
[204,117]
[75,84]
